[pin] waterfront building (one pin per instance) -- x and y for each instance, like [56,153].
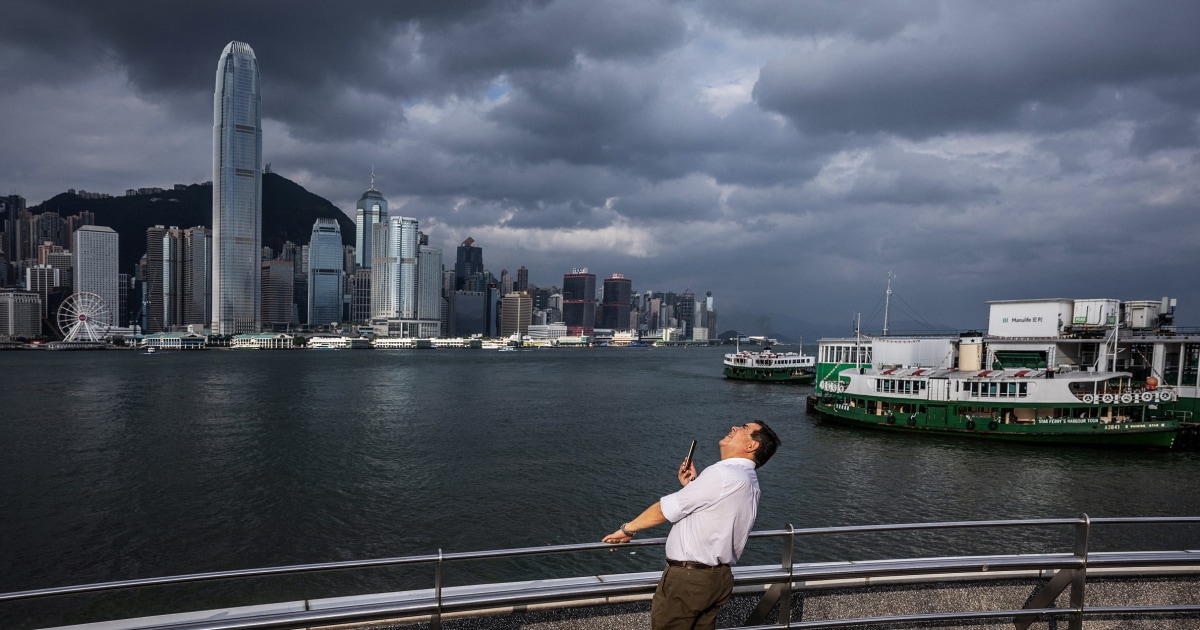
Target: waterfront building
[468,313]
[685,313]
[263,341]
[468,266]
[175,341]
[579,302]
[394,269]
[614,306]
[360,295]
[371,210]
[429,288]
[325,289]
[95,264]
[547,331]
[46,282]
[516,313]
[20,313]
[278,278]
[237,193]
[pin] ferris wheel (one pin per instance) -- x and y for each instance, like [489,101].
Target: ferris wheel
[84,317]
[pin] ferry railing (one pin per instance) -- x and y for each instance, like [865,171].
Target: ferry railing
[1068,572]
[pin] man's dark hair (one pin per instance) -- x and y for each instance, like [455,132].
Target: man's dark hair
[767,443]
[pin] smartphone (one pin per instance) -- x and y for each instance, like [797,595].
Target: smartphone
[687,461]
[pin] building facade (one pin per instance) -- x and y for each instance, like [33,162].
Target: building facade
[516,313]
[325,287]
[579,302]
[237,193]
[94,252]
[371,210]
[20,314]
[615,305]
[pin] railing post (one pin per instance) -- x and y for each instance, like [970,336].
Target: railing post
[1078,583]
[435,622]
[785,604]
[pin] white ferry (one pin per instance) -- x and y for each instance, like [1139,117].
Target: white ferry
[771,367]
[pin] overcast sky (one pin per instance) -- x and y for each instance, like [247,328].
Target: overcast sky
[785,155]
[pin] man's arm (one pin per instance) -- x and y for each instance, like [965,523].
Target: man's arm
[651,517]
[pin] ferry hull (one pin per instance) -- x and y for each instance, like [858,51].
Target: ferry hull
[1149,434]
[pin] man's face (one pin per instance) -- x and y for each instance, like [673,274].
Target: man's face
[739,440]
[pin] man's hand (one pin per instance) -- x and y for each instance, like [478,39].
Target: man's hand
[687,474]
[617,537]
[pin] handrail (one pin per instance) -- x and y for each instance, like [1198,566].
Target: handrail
[1070,573]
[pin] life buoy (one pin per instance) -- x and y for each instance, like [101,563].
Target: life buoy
[1166,396]
[1089,398]
[891,419]
[970,425]
[992,425]
[1126,398]
[1107,398]
[912,422]
[1147,397]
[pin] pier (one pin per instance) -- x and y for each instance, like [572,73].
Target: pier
[1060,588]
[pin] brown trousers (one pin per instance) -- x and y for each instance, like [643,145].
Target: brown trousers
[690,598]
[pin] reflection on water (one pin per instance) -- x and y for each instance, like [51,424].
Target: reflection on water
[119,465]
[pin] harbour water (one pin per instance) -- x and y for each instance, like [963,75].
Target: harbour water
[120,465]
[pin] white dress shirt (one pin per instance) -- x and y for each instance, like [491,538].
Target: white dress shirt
[712,516]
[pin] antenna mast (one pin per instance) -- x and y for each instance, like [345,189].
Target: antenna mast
[887,302]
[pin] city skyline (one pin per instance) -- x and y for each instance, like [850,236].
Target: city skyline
[785,155]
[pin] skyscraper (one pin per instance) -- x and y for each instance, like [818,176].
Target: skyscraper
[429,288]
[579,302]
[372,209]
[325,264]
[614,308]
[394,269]
[237,193]
[468,265]
[94,265]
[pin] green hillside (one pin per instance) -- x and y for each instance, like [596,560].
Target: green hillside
[289,212]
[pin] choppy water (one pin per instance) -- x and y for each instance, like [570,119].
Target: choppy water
[118,465]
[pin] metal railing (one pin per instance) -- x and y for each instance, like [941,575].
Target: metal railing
[1067,572]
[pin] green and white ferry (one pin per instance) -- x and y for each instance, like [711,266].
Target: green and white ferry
[1096,372]
[771,367]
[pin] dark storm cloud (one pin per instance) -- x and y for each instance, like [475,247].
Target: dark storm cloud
[980,65]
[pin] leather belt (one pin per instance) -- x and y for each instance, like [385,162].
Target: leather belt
[688,564]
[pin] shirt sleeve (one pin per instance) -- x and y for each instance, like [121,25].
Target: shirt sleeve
[702,491]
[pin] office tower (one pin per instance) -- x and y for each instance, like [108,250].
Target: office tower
[372,209]
[468,313]
[20,314]
[469,264]
[155,277]
[47,227]
[325,264]
[614,307]
[237,193]
[579,302]
[278,277]
[685,313]
[710,315]
[516,313]
[121,316]
[46,281]
[11,208]
[506,282]
[522,279]
[394,270]
[197,275]
[360,295]
[94,268]
[429,288]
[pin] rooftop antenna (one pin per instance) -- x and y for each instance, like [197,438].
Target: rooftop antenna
[372,177]
[887,303]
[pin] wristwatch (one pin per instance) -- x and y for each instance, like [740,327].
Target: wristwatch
[626,531]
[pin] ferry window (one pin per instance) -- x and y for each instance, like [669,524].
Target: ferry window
[1023,389]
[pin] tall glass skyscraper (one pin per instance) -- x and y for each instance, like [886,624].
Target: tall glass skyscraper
[94,260]
[325,264]
[372,209]
[237,193]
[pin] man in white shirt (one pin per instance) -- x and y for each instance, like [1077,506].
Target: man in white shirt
[712,517]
